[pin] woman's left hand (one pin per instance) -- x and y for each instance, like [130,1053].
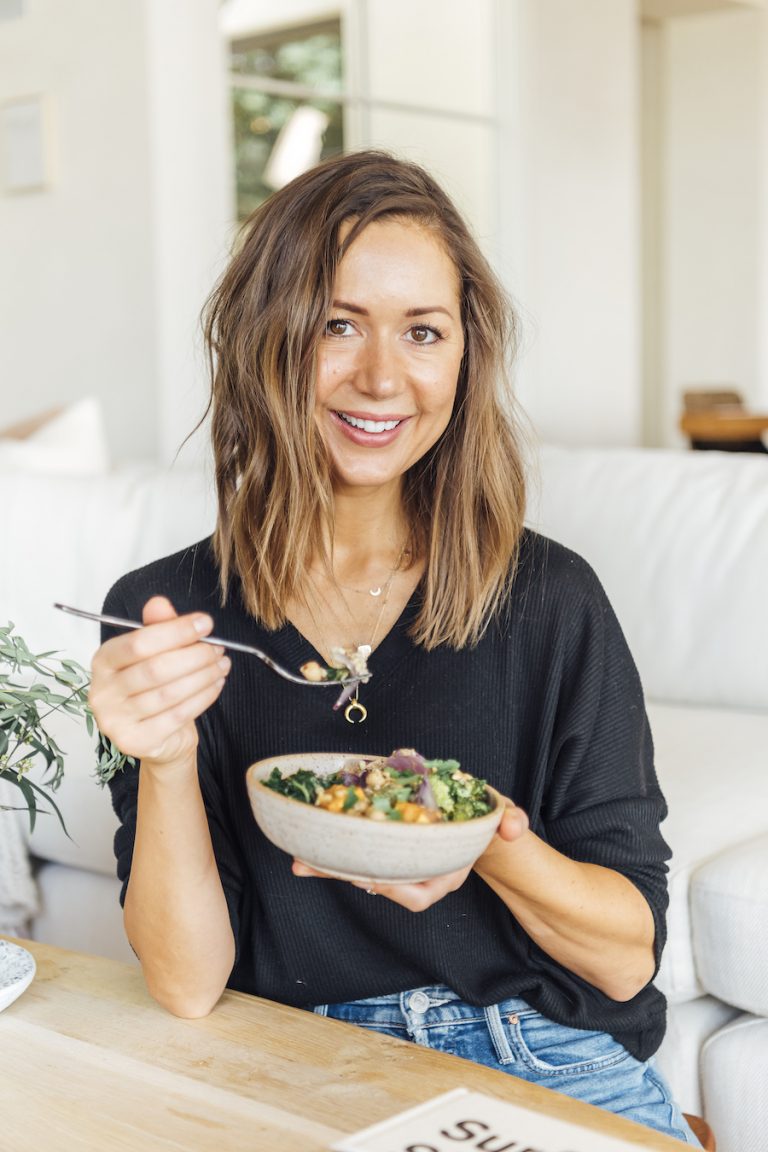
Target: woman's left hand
[418,897]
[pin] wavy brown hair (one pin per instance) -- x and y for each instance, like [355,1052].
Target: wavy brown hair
[464,499]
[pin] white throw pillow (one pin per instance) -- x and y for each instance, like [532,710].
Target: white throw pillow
[72,441]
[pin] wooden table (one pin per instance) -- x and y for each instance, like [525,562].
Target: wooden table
[88,1061]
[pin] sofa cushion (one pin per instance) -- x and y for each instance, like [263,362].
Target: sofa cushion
[85,805]
[81,910]
[688,1026]
[68,441]
[77,537]
[735,1084]
[680,542]
[712,769]
[729,913]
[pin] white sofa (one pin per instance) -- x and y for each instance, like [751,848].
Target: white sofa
[680,541]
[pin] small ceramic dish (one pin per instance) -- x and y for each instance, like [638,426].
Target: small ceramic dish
[17,970]
[353,848]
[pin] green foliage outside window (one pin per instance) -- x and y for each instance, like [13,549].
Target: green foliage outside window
[309,57]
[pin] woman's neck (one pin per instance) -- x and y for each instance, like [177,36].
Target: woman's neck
[370,531]
[371,578]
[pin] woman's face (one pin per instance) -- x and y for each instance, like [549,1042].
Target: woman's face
[389,359]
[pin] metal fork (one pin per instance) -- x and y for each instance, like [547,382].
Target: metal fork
[234,645]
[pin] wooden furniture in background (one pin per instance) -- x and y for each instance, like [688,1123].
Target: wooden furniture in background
[91,1062]
[717,419]
[702,1132]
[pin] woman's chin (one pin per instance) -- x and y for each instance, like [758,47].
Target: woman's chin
[356,481]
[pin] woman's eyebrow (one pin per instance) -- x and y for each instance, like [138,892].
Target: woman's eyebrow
[358,310]
[426,311]
[349,307]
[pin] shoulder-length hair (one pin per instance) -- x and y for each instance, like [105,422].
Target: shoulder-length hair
[263,323]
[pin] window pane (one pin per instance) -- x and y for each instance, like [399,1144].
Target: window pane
[278,136]
[309,56]
[259,117]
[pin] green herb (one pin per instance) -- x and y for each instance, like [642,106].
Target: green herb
[302,785]
[350,799]
[458,795]
[50,684]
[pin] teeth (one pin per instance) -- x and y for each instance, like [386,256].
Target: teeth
[369,425]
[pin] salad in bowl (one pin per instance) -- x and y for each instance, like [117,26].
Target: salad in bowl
[398,819]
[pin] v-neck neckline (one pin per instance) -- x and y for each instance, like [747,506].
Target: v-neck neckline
[294,649]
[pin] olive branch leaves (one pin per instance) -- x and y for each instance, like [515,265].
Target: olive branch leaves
[32,687]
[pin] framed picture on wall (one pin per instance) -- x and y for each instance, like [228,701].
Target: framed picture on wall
[24,145]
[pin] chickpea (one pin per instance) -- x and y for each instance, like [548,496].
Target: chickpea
[335,798]
[415,814]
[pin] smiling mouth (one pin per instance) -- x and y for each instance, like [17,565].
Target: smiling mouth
[368,425]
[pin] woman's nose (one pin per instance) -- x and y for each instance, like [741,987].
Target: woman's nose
[379,370]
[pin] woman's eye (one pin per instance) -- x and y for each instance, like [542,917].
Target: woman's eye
[337,328]
[423,334]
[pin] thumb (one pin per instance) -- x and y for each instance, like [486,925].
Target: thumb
[158,609]
[514,822]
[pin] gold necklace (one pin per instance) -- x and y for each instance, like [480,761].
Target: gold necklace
[356,712]
[375,592]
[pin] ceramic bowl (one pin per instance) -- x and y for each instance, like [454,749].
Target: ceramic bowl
[17,970]
[351,848]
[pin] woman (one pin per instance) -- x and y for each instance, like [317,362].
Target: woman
[371,493]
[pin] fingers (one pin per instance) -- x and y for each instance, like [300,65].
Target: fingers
[299,868]
[149,684]
[415,897]
[164,679]
[170,691]
[174,631]
[419,897]
[168,734]
[157,609]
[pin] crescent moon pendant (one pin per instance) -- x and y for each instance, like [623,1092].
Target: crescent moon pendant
[351,708]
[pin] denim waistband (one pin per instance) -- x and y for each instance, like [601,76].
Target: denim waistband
[417,1006]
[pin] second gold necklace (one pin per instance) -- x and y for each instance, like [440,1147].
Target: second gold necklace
[353,659]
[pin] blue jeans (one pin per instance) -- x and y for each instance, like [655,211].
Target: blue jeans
[512,1037]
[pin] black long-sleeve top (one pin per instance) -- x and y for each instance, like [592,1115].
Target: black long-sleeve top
[548,708]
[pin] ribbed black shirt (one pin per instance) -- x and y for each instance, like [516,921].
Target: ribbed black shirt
[547,707]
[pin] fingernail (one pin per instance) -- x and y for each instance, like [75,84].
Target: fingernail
[202,624]
[225,663]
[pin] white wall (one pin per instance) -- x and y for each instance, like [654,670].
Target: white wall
[76,313]
[760,395]
[571,241]
[714,146]
[528,110]
[430,96]
[654,288]
[103,273]
[192,201]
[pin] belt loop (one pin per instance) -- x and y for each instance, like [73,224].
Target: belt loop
[498,1033]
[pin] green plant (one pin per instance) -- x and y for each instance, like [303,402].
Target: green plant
[32,687]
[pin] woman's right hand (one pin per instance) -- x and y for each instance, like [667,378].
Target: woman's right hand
[149,685]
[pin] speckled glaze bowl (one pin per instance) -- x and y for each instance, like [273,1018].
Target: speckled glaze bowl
[17,970]
[350,848]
